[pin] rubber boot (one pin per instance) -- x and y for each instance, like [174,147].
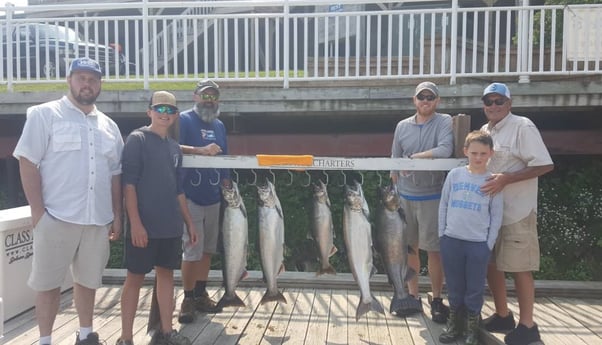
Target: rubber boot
[473,328]
[454,328]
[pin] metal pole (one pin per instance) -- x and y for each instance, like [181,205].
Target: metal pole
[145,47]
[453,43]
[524,43]
[286,34]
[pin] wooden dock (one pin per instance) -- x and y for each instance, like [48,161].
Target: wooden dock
[313,315]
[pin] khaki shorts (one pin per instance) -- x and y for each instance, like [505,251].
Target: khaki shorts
[422,219]
[58,245]
[206,221]
[517,246]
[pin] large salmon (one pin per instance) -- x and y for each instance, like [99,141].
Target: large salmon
[358,240]
[392,243]
[235,235]
[271,240]
[322,228]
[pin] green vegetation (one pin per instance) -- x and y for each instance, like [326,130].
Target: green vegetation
[570,219]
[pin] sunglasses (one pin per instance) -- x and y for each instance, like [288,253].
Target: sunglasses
[429,98]
[500,101]
[165,109]
[208,97]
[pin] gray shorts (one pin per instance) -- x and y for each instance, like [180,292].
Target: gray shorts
[517,246]
[58,245]
[422,219]
[206,221]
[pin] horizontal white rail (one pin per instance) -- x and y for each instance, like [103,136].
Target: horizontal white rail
[322,163]
[287,41]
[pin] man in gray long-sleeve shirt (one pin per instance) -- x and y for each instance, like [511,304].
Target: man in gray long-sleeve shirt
[426,134]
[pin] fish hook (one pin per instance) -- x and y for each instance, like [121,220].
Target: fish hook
[290,173]
[325,174]
[273,176]
[380,178]
[362,177]
[308,179]
[218,179]
[236,175]
[254,182]
[344,178]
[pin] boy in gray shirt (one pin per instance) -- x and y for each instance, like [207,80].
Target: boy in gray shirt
[469,221]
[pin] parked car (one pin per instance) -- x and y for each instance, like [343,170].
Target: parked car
[42,50]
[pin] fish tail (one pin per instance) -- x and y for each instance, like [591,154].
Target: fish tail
[230,301]
[362,309]
[326,270]
[273,297]
[376,306]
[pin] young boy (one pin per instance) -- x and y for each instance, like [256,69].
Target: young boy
[155,204]
[469,221]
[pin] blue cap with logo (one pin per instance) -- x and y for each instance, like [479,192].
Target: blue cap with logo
[85,64]
[499,88]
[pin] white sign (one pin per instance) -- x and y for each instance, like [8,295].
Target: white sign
[580,27]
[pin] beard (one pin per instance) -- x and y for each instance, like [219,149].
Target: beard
[85,98]
[207,111]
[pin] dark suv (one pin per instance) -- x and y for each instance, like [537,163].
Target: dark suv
[42,50]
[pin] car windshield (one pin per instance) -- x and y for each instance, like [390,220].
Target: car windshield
[49,31]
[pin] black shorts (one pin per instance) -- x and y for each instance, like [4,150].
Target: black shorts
[161,252]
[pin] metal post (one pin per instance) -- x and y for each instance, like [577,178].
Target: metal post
[453,43]
[523,41]
[286,44]
[145,47]
[9,47]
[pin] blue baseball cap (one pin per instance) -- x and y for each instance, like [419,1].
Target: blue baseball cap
[499,88]
[85,64]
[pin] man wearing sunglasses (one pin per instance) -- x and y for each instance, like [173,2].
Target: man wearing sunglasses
[426,134]
[520,157]
[201,133]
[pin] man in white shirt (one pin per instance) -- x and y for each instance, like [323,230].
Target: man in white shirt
[520,157]
[70,163]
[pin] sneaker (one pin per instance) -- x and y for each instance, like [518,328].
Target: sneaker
[439,311]
[172,338]
[409,306]
[496,323]
[124,342]
[522,335]
[91,339]
[205,304]
[187,310]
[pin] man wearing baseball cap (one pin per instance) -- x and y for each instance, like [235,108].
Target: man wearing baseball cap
[520,157]
[426,134]
[202,133]
[70,162]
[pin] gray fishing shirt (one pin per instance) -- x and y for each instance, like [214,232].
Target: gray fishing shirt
[410,137]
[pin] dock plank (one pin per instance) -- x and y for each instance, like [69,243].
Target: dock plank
[584,312]
[397,327]
[276,331]
[337,318]
[259,318]
[357,330]
[297,328]
[318,319]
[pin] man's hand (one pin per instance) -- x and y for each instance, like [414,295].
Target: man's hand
[494,184]
[192,235]
[115,230]
[212,149]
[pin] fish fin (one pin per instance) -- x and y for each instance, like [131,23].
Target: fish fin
[373,271]
[281,269]
[402,214]
[333,250]
[244,275]
[376,306]
[396,304]
[277,297]
[362,309]
[230,301]
[327,270]
[243,209]
[411,250]
[309,236]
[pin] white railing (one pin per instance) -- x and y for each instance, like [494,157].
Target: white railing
[297,40]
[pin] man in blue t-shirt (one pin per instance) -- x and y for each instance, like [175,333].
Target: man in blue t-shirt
[201,133]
